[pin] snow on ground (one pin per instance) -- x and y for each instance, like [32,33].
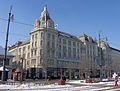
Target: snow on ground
[78,85]
[33,86]
[82,82]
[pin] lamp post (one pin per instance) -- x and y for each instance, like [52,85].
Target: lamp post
[6,43]
[99,57]
[21,66]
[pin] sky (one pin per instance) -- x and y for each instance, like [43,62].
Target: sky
[72,16]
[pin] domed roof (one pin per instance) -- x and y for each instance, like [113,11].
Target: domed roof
[45,19]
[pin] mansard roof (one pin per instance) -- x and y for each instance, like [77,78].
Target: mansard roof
[115,49]
[68,35]
[19,43]
[87,38]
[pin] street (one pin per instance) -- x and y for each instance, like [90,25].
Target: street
[72,85]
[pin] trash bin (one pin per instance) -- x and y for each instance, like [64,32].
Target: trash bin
[61,82]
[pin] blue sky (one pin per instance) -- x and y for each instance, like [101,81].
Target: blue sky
[72,16]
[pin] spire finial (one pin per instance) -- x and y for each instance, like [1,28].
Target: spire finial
[45,8]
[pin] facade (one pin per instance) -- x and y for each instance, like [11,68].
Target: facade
[89,56]
[107,61]
[50,52]
[115,57]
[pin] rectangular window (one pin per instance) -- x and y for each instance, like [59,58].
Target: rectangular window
[35,43]
[64,41]
[27,62]
[74,44]
[41,51]
[53,37]
[35,52]
[28,47]
[19,51]
[78,53]
[77,45]
[59,40]
[24,56]
[32,44]
[33,61]
[69,52]
[53,53]
[59,47]
[64,51]
[24,49]
[32,53]
[28,55]
[41,34]
[48,43]
[59,55]
[48,35]
[41,42]
[69,43]
[36,37]
[53,45]
[41,60]
[32,37]
[74,52]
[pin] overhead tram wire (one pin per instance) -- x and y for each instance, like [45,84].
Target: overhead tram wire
[15,34]
[18,22]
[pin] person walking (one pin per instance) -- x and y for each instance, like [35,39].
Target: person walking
[116,81]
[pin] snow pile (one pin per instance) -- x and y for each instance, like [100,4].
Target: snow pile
[82,82]
[76,85]
[7,86]
[33,86]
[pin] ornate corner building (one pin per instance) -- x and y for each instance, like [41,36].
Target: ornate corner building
[50,52]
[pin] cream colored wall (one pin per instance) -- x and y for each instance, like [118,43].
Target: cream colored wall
[115,57]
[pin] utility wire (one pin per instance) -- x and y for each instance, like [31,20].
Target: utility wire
[18,22]
[15,34]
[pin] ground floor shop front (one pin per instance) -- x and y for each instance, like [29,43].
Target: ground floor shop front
[54,73]
[57,73]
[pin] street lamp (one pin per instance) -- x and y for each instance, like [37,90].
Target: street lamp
[23,68]
[6,43]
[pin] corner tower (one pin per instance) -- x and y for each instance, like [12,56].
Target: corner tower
[44,21]
[43,44]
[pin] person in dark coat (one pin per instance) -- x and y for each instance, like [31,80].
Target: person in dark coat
[64,78]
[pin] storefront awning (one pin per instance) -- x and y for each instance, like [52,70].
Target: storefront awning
[1,69]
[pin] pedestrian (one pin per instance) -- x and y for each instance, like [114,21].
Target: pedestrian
[83,75]
[49,78]
[76,77]
[116,81]
[64,78]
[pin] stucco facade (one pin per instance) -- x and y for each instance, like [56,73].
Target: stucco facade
[50,52]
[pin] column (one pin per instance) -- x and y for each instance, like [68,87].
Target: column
[37,72]
[69,73]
